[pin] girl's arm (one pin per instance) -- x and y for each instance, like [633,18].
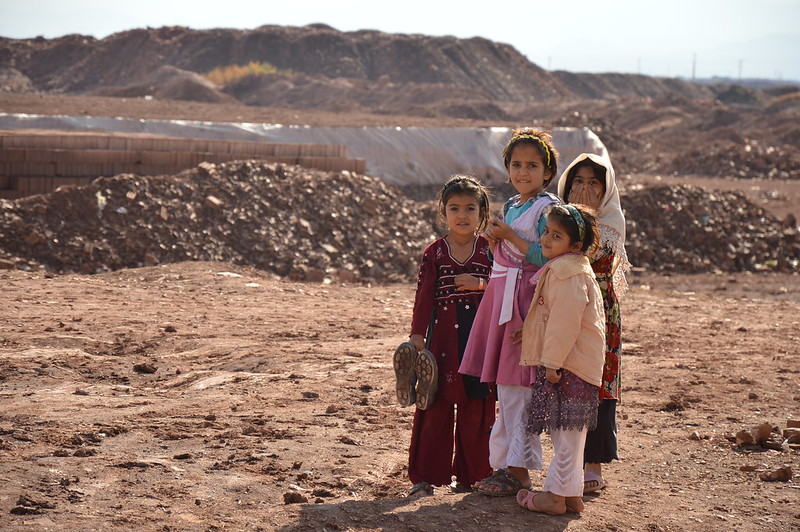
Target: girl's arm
[469,282]
[424,299]
[418,341]
[533,252]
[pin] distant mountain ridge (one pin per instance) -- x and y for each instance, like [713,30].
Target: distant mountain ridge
[354,70]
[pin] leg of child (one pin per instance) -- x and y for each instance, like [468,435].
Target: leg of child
[509,447]
[474,419]
[601,446]
[430,456]
[563,487]
[524,450]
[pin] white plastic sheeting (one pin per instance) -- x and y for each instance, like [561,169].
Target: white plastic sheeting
[400,156]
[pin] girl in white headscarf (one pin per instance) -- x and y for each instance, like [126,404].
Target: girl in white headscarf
[590,180]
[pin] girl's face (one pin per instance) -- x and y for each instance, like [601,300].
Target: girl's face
[555,240]
[527,170]
[586,188]
[462,214]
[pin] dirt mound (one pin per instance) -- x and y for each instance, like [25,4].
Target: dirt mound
[672,135]
[12,80]
[311,225]
[651,125]
[690,229]
[77,64]
[495,71]
[357,95]
[297,223]
[170,83]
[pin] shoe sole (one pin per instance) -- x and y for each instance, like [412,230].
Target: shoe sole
[427,378]
[405,378]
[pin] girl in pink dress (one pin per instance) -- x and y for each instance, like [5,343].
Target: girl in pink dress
[491,354]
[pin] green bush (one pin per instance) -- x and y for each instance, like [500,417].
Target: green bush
[232,73]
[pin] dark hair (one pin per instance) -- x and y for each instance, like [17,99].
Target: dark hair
[464,184]
[542,141]
[598,169]
[562,214]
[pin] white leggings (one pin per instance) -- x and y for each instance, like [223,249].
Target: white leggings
[565,474]
[509,445]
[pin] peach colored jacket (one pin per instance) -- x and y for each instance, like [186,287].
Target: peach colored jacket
[565,326]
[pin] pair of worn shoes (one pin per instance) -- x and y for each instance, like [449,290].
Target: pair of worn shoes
[417,375]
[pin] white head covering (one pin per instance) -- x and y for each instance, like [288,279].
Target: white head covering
[610,217]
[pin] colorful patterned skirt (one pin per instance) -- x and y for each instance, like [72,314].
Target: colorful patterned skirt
[570,404]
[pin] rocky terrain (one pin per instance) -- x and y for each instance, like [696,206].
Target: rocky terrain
[311,225]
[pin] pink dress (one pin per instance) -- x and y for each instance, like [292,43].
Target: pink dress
[490,352]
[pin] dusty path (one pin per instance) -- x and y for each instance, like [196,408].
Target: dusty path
[204,396]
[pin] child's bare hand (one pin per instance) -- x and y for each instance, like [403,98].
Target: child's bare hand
[553,375]
[465,281]
[418,341]
[584,195]
[489,235]
[499,230]
[516,337]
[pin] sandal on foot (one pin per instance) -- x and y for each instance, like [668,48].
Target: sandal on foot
[403,362]
[505,483]
[420,489]
[427,378]
[458,487]
[527,499]
[593,482]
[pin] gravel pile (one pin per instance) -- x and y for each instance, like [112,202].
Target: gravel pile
[747,160]
[690,229]
[311,225]
[298,223]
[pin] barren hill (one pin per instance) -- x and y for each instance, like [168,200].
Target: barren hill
[651,125]
[442,68]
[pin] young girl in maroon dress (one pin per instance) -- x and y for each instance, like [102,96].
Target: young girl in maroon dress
[452,277]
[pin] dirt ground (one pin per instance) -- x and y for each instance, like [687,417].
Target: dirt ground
[206,396]
[209,396]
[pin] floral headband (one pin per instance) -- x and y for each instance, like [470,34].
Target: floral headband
[534,137]
[578,219]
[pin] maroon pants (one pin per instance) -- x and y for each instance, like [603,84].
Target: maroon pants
[443,427]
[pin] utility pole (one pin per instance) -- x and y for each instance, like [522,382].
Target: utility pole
[694,65]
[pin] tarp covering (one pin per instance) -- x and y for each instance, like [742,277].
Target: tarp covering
[399,156]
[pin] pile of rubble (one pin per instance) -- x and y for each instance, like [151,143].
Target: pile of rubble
[298,223]
[745,160]
[312,225]
[690,229]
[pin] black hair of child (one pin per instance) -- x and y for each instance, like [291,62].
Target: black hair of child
[598,169]
[463,184]
[562,215]
[542,141]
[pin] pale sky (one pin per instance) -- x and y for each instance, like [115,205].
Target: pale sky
[732,38]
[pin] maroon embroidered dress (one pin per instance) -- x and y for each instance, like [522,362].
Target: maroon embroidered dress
[446,439]
[445,315]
